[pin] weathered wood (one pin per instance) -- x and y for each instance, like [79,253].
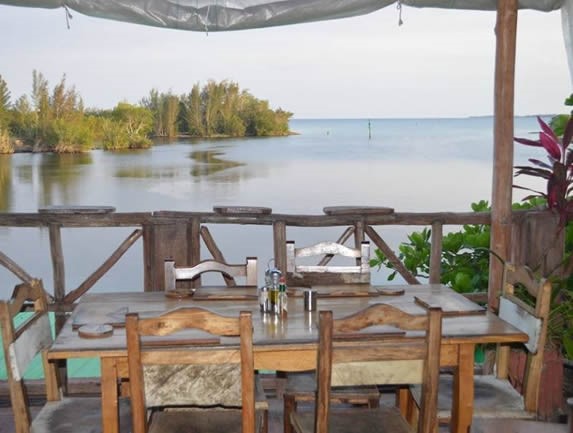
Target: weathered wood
[178,320]
[13,267]
[341,240]
[242,210]
[194,246]
[58,266]
[500,244]
[357,210]
[57,253]
[297,274]
[387,251]
[436,253]
[279,244]
[149,270]
[77,210]
[170,241]
[105,266]
[216,253]
[174,274]
[330,353]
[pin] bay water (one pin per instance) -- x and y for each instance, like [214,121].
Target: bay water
[413,165]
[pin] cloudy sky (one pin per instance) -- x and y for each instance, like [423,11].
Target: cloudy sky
[437,64]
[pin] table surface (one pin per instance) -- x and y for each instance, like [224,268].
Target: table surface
[464,321]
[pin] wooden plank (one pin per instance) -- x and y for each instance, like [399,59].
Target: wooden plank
[21,351]
[357,210]
[522,320]
[242,210]
[91,210]
[341,240]
[236,293]
[451,305]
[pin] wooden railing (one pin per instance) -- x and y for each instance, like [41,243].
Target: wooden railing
[178,235]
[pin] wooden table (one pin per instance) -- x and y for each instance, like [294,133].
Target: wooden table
[288,345]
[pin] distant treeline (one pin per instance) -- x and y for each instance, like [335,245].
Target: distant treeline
[56,120]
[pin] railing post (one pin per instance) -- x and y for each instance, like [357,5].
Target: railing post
[194,246]
[279,244]
[58,267]
[436,253]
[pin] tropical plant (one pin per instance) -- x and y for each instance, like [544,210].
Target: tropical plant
[558,172]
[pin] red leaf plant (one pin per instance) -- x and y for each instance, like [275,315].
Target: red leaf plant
[558,172]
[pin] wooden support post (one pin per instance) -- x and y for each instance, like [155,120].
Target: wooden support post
[194,246]
[436,253]
[506,29]
[149,268]
[58,268]
[279,243]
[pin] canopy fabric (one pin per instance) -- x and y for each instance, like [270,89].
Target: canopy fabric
[222,15]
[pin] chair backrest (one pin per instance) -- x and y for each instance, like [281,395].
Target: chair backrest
[350,355]
[248,271]
[164,371]
[531,320]
[22,343]
[324,273]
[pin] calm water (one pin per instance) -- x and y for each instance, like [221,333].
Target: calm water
[410,165]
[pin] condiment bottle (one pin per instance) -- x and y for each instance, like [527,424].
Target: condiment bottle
[283,296]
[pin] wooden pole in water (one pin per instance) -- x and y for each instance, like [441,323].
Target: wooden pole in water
[506,30]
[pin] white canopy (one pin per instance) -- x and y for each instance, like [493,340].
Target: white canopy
[221,15]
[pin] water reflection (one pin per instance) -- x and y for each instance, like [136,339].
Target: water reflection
[146,172]
[5,182]
[208,162]
[58,174]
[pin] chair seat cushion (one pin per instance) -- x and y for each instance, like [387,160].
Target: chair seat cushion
[355,420]
[194,420]
[77,415]
[493,398]
[302,386]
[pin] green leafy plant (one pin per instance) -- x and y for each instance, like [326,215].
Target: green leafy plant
[465,255]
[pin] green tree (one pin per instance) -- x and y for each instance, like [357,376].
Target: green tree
[193,112]
[41,104]
[4,104]
[23,122]
[136,122]
[170,113]
[154,105]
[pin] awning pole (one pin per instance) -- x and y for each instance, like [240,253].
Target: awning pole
[506,29]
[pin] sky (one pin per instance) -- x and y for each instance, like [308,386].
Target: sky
[439,63]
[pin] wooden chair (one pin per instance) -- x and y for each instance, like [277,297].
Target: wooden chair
[307,275]
[300,387]
[186,386]
[192,273]
[494,395]
[21,344]
[347,356]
